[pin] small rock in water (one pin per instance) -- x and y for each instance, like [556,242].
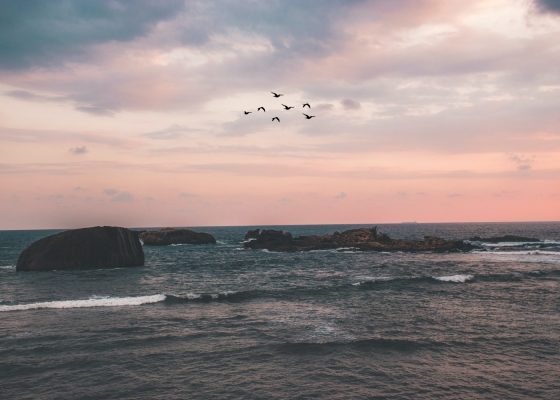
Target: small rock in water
[167,236]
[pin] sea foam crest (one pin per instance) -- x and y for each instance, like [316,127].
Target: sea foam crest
[93,301]
[454,278]
[371,279]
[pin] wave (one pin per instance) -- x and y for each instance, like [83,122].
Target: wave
[522,251]
[93,301]
[459,278]
[544,245]
[230,296]
[454,278]
[7,267]
[372,279]
[372,343]
[365,283]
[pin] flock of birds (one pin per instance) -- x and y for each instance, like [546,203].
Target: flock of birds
[286,108]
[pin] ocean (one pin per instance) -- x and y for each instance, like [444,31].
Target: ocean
[221,322]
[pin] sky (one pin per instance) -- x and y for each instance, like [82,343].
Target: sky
[131,113]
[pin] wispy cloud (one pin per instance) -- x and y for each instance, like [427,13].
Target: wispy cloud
[174,131]
[96,110]
[341,196]
[187,195]
[79,150]
[350,104]
[523,163]
[118,196]
[30,96]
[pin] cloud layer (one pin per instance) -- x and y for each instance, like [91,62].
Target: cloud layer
[454,100]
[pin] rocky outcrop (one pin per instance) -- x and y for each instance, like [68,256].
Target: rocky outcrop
[169,236]
[505,238]
[362,239]
[87,248]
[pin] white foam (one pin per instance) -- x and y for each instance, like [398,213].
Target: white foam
[509,244]
[94,301]
[7,266]
[370,279]
[454,278]
[535,252]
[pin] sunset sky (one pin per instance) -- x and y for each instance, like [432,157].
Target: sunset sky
[131,113]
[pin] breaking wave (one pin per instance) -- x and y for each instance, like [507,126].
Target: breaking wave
[93,301]
[363,283]
[454,278]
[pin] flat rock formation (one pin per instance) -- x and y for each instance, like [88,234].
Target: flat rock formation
[167,236]
[361,239]
[505,238]
[87,248]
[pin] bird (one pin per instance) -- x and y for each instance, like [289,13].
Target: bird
[276,118]
[306,104]
[287,107]
[247,112]
[276,94]
[261,108]
[308,116]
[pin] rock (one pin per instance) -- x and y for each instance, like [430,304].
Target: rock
[168,236]
[264,238]
[505,238]
[362,239]
[87,248]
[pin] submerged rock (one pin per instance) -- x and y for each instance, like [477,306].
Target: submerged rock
[361,239]
[169,236]
[86,248]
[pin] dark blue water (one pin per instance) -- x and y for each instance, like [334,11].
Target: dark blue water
[220,322]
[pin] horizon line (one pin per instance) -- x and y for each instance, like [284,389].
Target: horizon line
[313,224]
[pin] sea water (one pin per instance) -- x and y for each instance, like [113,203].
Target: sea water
[219,321]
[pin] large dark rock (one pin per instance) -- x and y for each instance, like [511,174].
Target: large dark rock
[169,236]
[362,239]
[87,248]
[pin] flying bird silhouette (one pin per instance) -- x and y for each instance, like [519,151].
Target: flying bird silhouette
[306,104]
[276,94]
[247,112]
[287,107]
[308,116]
[276,118]
[261,108]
